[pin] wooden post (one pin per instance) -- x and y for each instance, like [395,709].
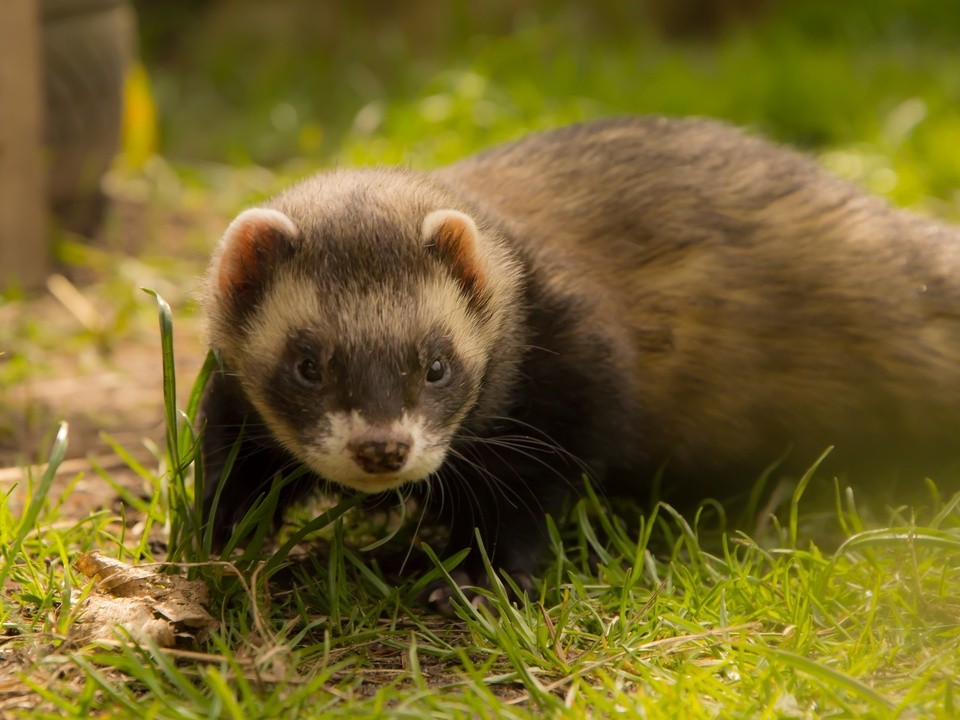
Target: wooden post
[24,256]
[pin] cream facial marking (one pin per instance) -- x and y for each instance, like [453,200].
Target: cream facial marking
[294,304]
[334,458]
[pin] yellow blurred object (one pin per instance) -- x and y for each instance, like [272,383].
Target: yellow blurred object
[311,138]
[138,141]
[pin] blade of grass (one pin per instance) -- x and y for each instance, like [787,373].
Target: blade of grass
[798,493]
[917,536]
[210,363]
[321,521]
[29,519]
[169,377]
[831,677]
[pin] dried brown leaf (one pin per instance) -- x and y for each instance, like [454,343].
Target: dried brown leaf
[147,605]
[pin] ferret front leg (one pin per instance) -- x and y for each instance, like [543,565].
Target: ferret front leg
[227,419]
[503,505]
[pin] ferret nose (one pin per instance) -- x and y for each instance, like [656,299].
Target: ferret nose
[379,456]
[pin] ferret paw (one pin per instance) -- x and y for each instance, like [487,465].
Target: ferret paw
[439,595]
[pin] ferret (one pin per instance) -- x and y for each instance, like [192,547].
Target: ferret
[623,299]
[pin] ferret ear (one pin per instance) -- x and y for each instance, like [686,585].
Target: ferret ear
[454,236]
[248,250]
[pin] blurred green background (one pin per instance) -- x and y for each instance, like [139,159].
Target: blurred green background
[873,85]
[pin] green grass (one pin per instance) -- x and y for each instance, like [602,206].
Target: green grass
[830,611]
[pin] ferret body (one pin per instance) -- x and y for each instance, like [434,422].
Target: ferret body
[617,298]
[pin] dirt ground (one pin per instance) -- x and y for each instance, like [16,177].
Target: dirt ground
[87,351]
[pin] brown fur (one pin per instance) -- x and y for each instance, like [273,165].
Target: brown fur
[759,302]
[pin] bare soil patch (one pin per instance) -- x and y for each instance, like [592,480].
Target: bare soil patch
[95,361]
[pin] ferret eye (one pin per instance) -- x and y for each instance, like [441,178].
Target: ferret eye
[307,372]
[438,371]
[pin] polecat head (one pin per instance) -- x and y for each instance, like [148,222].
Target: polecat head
[366,318]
